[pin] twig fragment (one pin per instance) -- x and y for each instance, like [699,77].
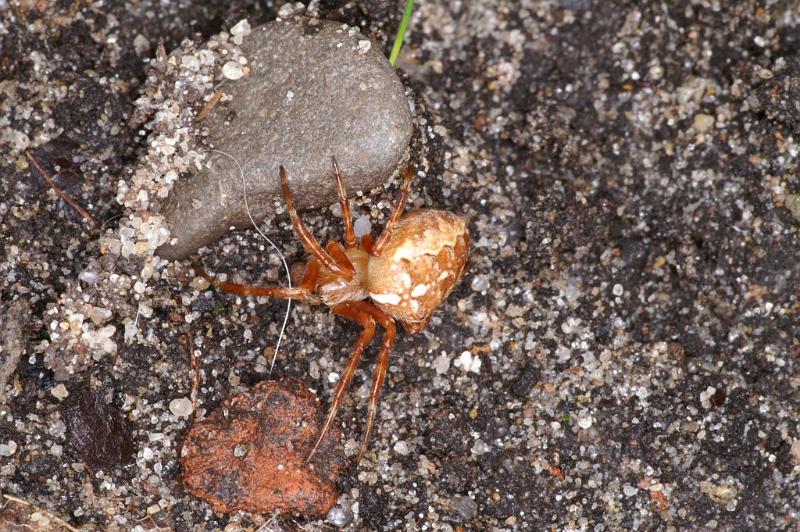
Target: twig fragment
[210,105]
[66,197]
[194,361]
[42,511]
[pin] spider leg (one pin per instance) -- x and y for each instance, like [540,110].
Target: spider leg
[396,213]
[367,243]
[381,366]
[368,323]
[308,239]
[336,251]
[349,234]
[311,275]
[296,292]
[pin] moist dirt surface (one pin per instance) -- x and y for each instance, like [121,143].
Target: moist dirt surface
[622,354]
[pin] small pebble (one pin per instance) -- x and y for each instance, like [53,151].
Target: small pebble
[629,490]
[8,449]
[792,202]
[241,28]
[706,395]
[401,448]
[291,8]
[57,428]
[480,283]
[464,507]
[480,447]
[233,70]
[721,493]
[141,44]
[59,391]
[441,364]
[99,315]
[703,122]
[362,226]
[191,62]
[467,362]
[340,516]
[181,407]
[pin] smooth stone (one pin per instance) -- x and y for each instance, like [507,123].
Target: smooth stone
[315,91]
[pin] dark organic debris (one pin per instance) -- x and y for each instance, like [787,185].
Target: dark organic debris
[249,454]
[97,430]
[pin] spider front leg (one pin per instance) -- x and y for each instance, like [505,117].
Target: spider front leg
[338,254]
[396,212]
[349,233]
[318,252]
[367,243]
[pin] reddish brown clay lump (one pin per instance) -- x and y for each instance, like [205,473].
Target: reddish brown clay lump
[249,453]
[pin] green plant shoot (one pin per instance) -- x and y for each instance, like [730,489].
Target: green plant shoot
[401,32]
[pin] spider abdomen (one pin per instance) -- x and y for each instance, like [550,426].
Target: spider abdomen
[419,265]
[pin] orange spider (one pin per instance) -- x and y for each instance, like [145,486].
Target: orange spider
[406,274]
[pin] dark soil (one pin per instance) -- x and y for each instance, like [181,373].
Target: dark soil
[623,352]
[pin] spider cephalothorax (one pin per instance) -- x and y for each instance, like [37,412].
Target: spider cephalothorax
[404,275]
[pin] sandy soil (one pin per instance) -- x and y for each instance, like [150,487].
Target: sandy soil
[623,353]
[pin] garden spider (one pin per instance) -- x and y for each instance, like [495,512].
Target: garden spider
[404,275]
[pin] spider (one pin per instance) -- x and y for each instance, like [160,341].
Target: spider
[404,275]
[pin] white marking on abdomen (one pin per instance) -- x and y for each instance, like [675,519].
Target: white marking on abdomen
[419,290]
[386,299]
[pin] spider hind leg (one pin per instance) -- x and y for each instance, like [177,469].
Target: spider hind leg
[367,322]
[366,315]
[381,367]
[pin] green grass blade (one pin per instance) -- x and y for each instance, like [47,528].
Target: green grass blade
[401,32]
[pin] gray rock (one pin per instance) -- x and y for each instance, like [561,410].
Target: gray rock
[317,89]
